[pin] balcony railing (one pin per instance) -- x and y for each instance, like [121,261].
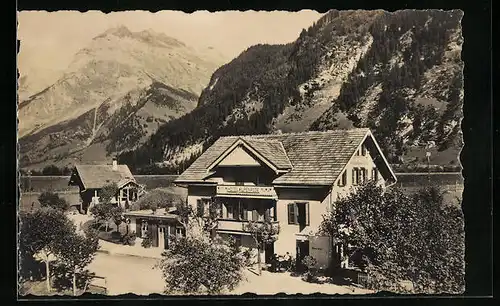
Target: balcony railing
[236,225]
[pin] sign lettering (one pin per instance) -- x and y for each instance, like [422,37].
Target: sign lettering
[246,190]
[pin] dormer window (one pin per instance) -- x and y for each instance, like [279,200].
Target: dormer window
[363,150]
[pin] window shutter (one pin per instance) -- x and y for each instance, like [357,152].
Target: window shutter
[354,176]
[255,215]
[296,213]
[307,213]
[291,213]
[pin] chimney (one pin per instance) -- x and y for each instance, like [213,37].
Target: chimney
[115,164]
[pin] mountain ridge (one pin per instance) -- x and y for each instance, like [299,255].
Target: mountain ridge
[139,79]
[349,69]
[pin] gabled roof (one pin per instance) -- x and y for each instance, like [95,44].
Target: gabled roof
[270,152]
[317,158]
[98,176]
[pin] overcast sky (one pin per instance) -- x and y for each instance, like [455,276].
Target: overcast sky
[50,39]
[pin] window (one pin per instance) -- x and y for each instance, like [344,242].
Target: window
[242,209]
[359,175]
[343,179]
[200,208]
[374,174]
[363,150]
[180,231]
[229,211]
[355,172]
[362,175]
[298,213]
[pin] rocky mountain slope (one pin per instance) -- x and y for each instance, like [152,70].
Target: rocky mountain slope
[398,73]
[112,97]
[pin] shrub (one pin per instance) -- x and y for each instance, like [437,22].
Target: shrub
[146,242]
[129,239]
[50,199]
[312,272]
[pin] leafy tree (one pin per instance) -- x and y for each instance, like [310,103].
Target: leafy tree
[108,192]
[194,265]
[116,213]
[102,212]
[396,237]
[41,233]
[262,233]
[76,252]
[157,198]
[197,223]
[50,199]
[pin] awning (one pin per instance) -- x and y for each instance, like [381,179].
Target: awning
[304,234]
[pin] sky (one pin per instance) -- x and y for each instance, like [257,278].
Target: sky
[49,40]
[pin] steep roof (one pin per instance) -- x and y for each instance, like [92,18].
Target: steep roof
[98,176]
[317,158]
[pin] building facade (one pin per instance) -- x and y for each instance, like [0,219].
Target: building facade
[92,178]
[291,179]
[157,225]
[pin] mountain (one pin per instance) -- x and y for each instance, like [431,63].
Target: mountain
[114,95]
[398,73]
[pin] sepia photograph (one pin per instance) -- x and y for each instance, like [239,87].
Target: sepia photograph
[232,152]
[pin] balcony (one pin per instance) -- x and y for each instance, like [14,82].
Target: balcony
[236,226]
[262,192]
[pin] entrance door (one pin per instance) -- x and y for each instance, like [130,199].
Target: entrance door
[302,251]
[268,252]
[161,237]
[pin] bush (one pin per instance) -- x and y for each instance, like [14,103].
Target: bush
[146,242]
[50,199]
[129,239]
[312,272]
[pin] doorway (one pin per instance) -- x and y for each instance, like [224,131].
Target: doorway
[268,253]
[302,251]
[161,237]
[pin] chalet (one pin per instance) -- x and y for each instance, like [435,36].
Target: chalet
[292,179]
[92,178]
[157,225]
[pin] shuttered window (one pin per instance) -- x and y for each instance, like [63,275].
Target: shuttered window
[292,213]
[374,174]
[354,176]
[363,150]
[200,208]
[295,213]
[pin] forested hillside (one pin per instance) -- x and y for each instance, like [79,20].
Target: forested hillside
[398,73]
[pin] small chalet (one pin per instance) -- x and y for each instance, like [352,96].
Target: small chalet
[92,178]
[157,225]
[292,179]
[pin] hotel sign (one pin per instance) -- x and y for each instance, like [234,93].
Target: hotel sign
[249,191]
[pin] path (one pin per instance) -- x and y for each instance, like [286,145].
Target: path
[127,274]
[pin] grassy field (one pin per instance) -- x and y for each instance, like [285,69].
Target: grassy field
[60,183]
[31,198]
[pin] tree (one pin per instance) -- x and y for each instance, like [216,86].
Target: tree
[50,199]
[198,222]
[102,212]
[116,213]
[397,237]
[263,233]
[40,235]
[76,251]
[157,198]
[198,264]
[108,192]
